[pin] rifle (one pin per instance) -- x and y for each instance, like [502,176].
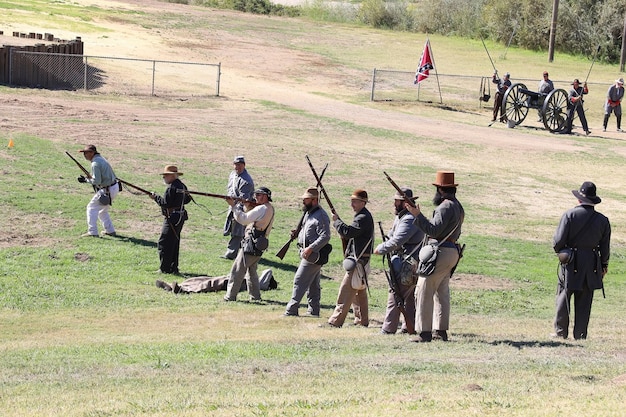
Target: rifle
[222,196]
[408,200]
[344,243]
[135,187]
[150,193]
[395,288]
[82,168]
[283,251]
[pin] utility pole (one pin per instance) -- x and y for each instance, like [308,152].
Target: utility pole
[555,13]
[622,59]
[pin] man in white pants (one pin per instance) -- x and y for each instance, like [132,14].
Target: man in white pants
[106,189]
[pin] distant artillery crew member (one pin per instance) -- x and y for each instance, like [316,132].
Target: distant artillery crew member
[240,185]
[360,238]
[614,103]
[106,186]
[545,87]
[172,205]
[432,293]
[575,102]
[258,222]
[404,241]
[503,84]
[582,241]
[313,240]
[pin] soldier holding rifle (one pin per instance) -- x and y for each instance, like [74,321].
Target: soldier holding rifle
[258,222]
[432,292]
[240,185]
[313,238]
[172,205]
[360,237]
[106,187]
[403,242]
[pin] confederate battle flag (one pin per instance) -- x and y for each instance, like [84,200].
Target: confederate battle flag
[426,64]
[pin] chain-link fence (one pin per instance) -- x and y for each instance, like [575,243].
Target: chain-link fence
[392,85]
[127,76]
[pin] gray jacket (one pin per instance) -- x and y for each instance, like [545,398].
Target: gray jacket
[404,236]
[238,186]
[446,217]
[315,231]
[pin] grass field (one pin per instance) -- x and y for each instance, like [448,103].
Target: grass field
[85,332]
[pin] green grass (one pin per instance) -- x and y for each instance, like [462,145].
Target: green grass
[84,331]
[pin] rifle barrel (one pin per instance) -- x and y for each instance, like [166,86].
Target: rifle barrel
[134,186]
[399,190]
[222,196]
[82,168]
[319,183]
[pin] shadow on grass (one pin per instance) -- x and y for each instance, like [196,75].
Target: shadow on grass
[519,344]
[135,241]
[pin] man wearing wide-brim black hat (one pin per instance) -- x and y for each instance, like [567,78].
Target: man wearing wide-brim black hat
[585,234]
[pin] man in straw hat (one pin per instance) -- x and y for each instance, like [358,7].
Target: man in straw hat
[404,241]
[586,234]
[432,292]
[614,97]
[575,102]
[313,240]
[258,222]
[240,185]
[360,237]
[172,205]
[106,186]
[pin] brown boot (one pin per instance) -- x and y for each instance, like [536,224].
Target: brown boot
[423,337]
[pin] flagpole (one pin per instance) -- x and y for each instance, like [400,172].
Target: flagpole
[432,57]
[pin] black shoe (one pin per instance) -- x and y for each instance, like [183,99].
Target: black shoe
[440,335]
[424,337]
[564,132]
[163,285]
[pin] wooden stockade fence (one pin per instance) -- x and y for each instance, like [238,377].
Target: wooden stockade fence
[19,70]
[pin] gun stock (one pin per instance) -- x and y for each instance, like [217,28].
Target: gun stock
[408,200]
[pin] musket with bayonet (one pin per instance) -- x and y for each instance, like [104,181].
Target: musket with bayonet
[344,243]
[283,251]
[407,199]
[395,288]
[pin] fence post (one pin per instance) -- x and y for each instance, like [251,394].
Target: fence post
[373,85]
[153,71]
[85,73]
[219,73]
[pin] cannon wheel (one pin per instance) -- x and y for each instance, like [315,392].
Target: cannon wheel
[554,110]
[514,103]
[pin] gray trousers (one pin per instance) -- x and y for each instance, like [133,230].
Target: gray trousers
[582,311]
[432,294]
[243,264]
[392,316]
[306,280]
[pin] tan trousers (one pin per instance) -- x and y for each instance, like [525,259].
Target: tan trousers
[349,296]
[432,294]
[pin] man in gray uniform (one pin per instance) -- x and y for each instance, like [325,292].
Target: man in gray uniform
[585,234]
[403,242]
[240,185]
[614,97]
[313,238]
[432,292]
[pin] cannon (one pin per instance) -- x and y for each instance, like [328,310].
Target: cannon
[552,107]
